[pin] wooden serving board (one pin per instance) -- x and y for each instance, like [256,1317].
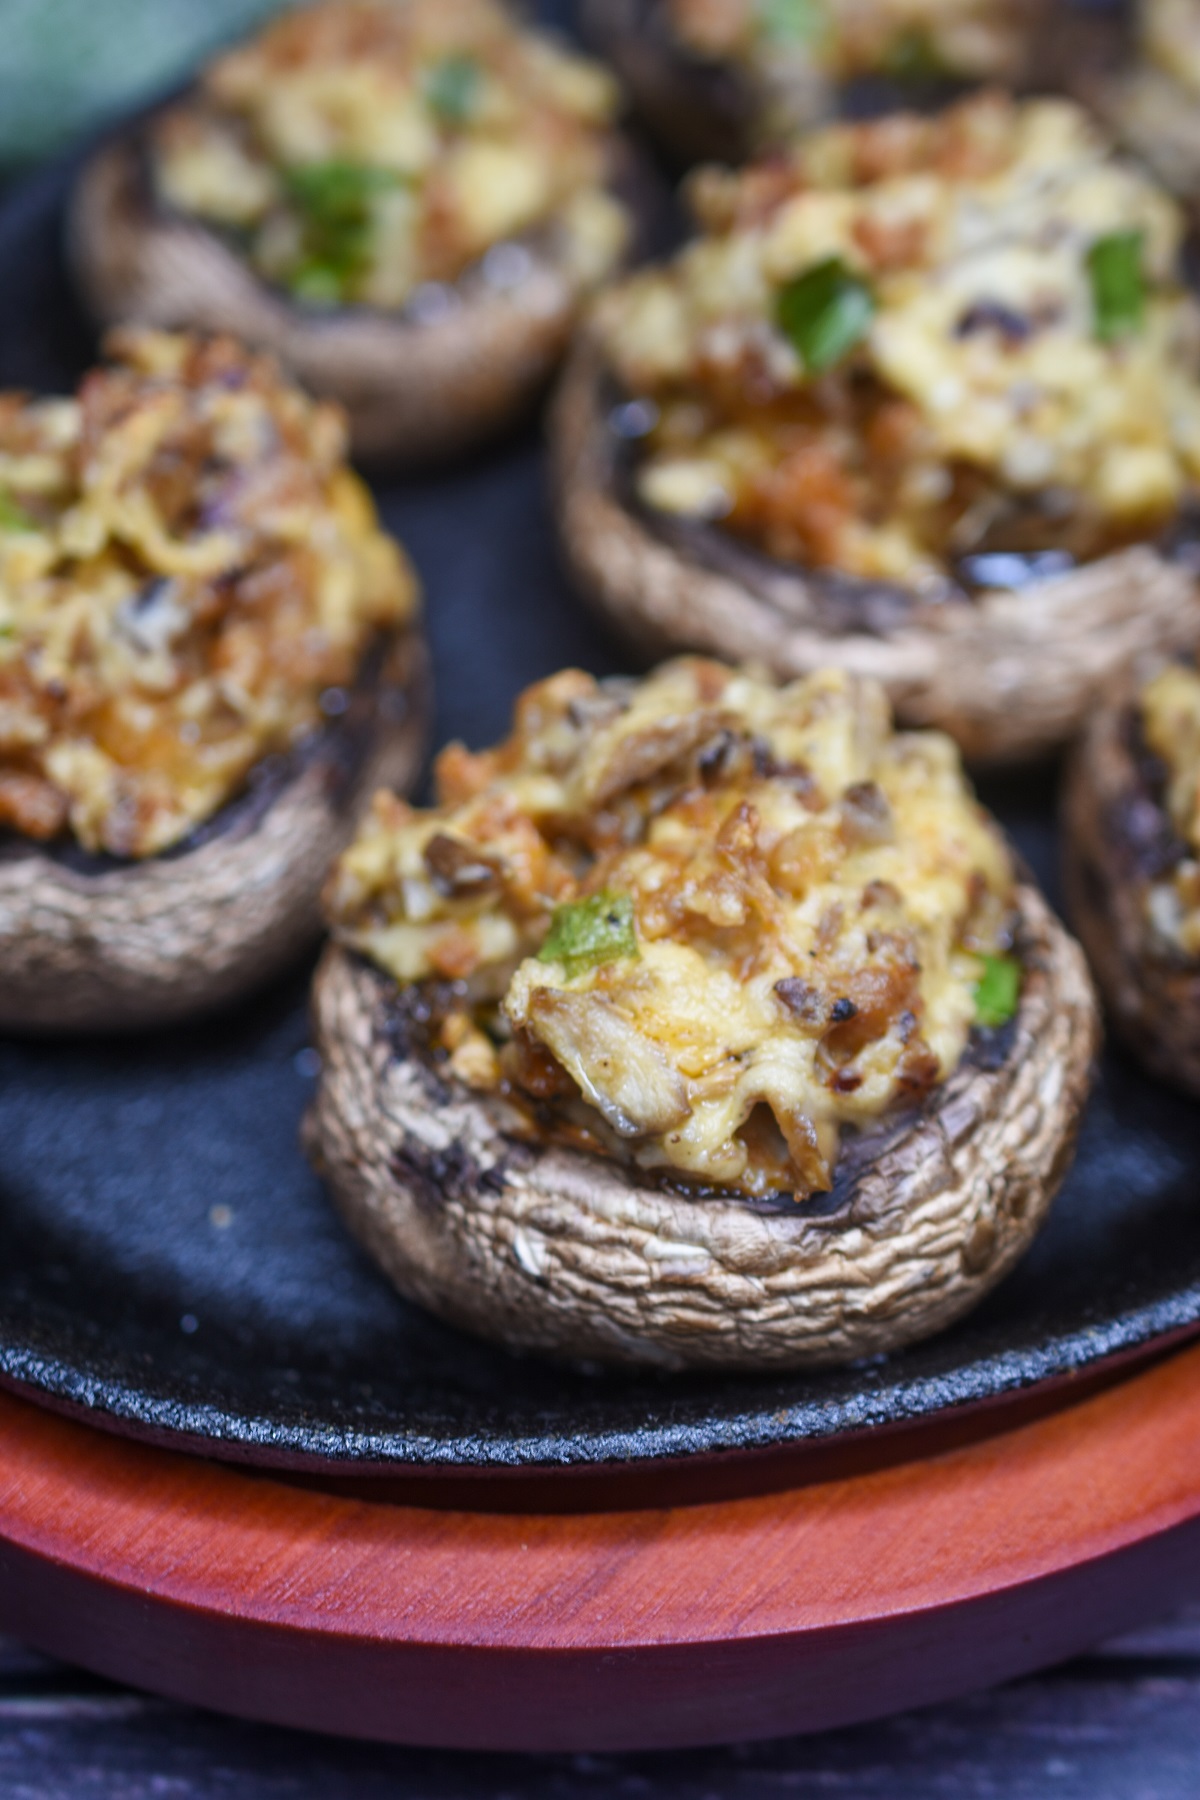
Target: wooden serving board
[827,1603]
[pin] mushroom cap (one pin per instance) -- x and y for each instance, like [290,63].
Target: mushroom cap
[1112,825]
[699,110]
[94,944]
[412,388]
[1009,674]
[546,1248]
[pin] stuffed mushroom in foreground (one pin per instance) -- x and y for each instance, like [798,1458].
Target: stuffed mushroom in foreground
[700,1022]
[408,203]
[721,78]
[208,653]
[923,399]
[1132,851]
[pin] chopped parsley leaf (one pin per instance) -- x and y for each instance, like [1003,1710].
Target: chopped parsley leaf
[1118,285]
[792,21]
[336,201]
[452,88]
[587,933]
[824,313]
[13,517]
[999,991]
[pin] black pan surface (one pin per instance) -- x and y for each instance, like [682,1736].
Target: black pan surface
[168,1261]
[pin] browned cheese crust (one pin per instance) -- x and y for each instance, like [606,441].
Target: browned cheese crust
[411,388]
[1009,675]
[92,945]
[1111,827]
[552,1250]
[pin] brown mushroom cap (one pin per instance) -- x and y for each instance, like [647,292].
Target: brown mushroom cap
[1113,829]
[697,109]
[553,1250]
[91,944]
[412,388]
[1009,674]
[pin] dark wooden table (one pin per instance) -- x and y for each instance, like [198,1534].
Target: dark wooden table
[1120,1724]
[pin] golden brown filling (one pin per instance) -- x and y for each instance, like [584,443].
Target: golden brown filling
[1170,714]
[981,39]
[697,922]
[1170,34]
[359,150]
[189,578]
[901,344]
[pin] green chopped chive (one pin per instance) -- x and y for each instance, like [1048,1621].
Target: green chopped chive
[12,516]
[1118,286]
[913,56]
[792,21]
[824,313]
[336,201]
[999,991]
[452,88]
[586,933]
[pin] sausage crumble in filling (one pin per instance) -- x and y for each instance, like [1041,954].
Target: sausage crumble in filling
[189,573]
[920,346]
[696,922]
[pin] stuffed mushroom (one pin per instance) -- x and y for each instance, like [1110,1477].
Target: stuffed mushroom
[923,399]
[1132,851]
[1153,100]
[407,203]
[208,653]
[702,1022]
[722,78]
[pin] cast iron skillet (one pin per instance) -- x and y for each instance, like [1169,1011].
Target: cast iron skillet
[169,1264]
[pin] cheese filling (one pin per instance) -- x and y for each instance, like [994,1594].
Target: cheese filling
[901,345]
[793,45]
[1170,719]
[362,151]
[697,922]
[189,577]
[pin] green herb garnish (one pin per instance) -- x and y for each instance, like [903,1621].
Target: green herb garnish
[824,313]
[12,516]
[792,21]
[586,933]
[912,55]
[999,991]
[1118,285]
[452,88]
[336,201]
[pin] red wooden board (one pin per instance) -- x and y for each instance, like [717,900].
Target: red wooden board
[836,1601]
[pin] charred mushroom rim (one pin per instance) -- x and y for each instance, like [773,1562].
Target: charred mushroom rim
[407,203]
[923,400]
[208,656]
[723,78]
[1153,103]
[1132,850]
[702,1022]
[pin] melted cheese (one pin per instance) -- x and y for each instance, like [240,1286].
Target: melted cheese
[782,40]
[438,126]
[982,398]
[811,894]
[186,566]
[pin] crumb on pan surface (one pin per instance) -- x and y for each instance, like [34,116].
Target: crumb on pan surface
[901,346]
[357,151]
[189,577]
[697,923]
